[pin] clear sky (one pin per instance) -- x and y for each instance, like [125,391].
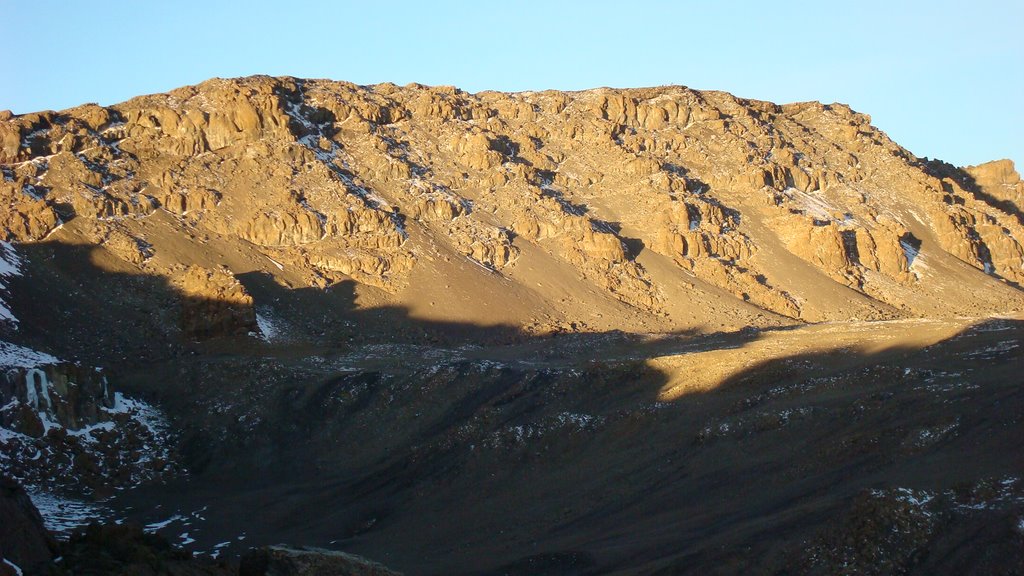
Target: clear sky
[944,79]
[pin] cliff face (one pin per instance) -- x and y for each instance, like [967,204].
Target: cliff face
[662,207]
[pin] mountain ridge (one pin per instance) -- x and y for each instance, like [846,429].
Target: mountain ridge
[702,162]
[602,332]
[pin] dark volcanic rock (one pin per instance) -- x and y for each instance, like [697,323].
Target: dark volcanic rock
[67,430]
[284,561]
[73,395]
[128,551]
[23,538]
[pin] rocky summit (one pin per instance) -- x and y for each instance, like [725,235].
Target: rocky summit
[650,331]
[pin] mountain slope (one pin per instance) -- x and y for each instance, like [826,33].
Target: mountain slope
[650,331]
[655,209]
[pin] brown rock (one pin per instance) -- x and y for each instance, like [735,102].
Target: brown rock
[999,180]
[25,218]
[340,181]
[10,141]
[213,304]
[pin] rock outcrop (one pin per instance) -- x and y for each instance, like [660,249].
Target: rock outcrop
[64,428]
[214,303]
[1000,181]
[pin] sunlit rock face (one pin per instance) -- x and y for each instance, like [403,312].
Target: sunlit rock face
[657,205]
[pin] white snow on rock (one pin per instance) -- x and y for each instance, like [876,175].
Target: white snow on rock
[184,526]
[813,204]
[63,515]
[14,356]
[564,422]
[910,252]
[215,553]
[270,329]
[147,415]
[130,444]
[10,265]
[13,566]
[165,523]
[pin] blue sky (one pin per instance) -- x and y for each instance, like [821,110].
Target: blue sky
[944,79]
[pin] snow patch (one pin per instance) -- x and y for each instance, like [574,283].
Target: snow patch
[86,433]
[37,386]
[814,205]
[564,422]
[910,252]
[215,553]
[13,566]
[276,263]
[63,515]
[14,356]
[7,436]
[990,352]
[144,413]
[270,328]
[10,265]
[164,523]
[129,443]
[928,436]
[917,498]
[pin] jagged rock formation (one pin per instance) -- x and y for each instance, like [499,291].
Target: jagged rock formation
[65,393]
[662,207]
[63,427]
[999,179]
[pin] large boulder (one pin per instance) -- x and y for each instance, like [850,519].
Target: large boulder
[24,540]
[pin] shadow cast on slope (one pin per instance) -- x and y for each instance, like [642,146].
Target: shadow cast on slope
[543,454]
[466,466]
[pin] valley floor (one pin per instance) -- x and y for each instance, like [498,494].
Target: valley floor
[881,446]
